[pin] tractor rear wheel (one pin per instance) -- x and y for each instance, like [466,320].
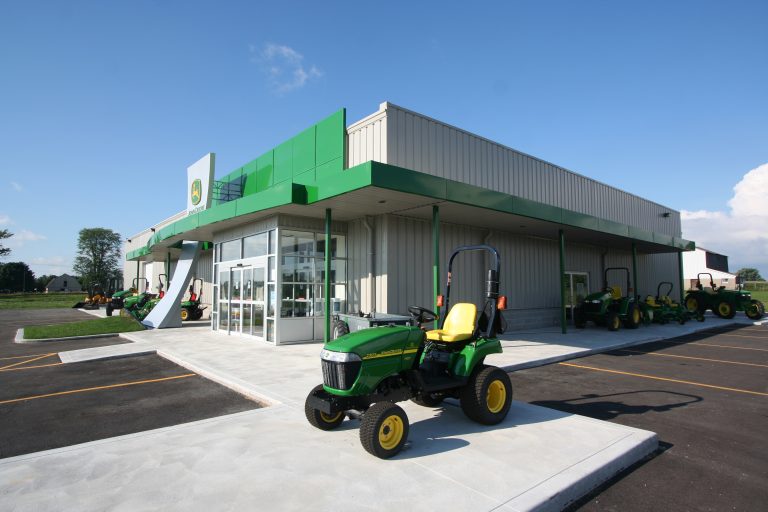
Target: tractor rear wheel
[384,430]
[319,419]
[428,399]
[725,310]
[340,328]
[613,321]
[754,310]
[109,309]
[634,317]
[487,396]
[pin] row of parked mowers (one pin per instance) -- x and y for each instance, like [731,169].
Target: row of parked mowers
[611,308]
[139,304]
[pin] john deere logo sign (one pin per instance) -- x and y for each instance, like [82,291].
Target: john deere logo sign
[196,192]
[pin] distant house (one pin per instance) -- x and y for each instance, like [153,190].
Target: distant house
[64,283]
[703,260]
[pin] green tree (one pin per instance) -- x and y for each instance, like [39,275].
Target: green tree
[98,256]
[749,274]
[4,251]
[16,277]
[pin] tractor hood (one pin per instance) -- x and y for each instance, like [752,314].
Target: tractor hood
[378,342]
[598,297]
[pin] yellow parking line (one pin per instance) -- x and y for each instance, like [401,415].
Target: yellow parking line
[111,386]
[30,367]
[691,357]
[725,346]
[27,361]
[24,357]
[745,336]
[663,378]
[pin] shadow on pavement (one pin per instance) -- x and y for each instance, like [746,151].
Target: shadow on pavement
[610,409]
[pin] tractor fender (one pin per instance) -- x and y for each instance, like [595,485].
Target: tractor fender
[473,354]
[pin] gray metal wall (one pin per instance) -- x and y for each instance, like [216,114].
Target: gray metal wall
[426,145]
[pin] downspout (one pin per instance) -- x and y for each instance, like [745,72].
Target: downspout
[371,263]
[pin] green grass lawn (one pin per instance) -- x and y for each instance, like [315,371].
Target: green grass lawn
[113,324]
[40,300]
[761,296]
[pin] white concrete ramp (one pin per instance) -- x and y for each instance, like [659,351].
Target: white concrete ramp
[167,312]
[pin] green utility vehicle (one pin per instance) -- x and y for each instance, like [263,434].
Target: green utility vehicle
[723,303]
[662,309]
[609,307]
[190,309]
[367,371]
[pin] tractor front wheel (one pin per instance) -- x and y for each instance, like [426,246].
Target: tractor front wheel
[613,321]
[184,314]
[754,310]
[319,419]
[340,328]
[692,304]
[634,317]
[384,430]
[725,310]
[487,396]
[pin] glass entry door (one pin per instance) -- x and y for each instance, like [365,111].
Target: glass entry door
[246,301]
[576,289]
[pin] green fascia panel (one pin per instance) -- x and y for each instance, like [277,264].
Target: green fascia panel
[166,232]
[660,238]
[473,196]
[329,169]
[251,183]
[580,220]
[304,151]
[614,228]
[305,178]
[355,178]
[283,170]
[640,234]
[331,137]
[265,171]
[536,210]
[406,180]
[186,224]
[217,213]
[685,245]
[138,253]
[279,195]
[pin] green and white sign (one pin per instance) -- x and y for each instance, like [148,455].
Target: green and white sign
[200,184]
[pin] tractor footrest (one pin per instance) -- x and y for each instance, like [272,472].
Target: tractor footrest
[432,384]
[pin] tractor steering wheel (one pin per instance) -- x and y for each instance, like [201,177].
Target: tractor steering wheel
[422,315]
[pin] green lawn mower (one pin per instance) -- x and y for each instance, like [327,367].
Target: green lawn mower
[190,309]
[662,309]
[609,307]
[366,372]
[723,303]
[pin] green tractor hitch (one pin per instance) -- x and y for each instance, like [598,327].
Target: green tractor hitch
[366,372]
[723,303]
[609,307]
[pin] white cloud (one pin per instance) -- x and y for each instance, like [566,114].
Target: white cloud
[5,220]
[742,231]
[284,67]
[56,265]
[16,186]
[23,236]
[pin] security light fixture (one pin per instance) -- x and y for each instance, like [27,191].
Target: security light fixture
[152,229]
[665,214]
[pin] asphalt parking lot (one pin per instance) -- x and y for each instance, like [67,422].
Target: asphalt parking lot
[706,395]
[46,404]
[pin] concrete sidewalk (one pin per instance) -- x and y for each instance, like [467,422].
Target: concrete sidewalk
[537,459]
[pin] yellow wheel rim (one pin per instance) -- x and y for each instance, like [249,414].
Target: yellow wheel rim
[636,316]
[724,309]
[330,418]
[692,304]
[616,322]
[391,432]
[496,396]
[184,314]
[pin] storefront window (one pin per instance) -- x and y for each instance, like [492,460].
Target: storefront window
[230,250]
[256,245]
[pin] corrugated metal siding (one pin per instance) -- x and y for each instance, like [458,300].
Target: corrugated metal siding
[426,145]
[367,140]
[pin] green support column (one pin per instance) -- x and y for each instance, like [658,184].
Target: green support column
[138,269]
[680,270]
[436,259]
[327,283]
[634,269]
[563,320]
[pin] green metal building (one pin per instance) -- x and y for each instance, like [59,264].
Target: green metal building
[388,197]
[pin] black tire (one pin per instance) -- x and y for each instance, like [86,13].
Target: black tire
[613,321]
[428,399]
[578,318]
[109,309]
[634,316]
[693,304]
[487,396]
[384,430]
[197,315]
[754,311]
[319,419]
[725,310]
[340,328]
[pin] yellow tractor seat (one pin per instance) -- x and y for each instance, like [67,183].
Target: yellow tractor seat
[459,324]
[651,301]
[615,292]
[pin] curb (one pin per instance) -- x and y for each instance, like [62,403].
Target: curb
[20,337]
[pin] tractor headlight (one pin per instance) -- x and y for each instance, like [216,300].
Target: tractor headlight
[339,357]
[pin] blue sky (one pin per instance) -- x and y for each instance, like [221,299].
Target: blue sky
[103,105]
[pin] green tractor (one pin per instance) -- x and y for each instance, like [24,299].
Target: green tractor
[662,309]
[723,303]
[366,372]
[126,298]
[190,309]
[609,307]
